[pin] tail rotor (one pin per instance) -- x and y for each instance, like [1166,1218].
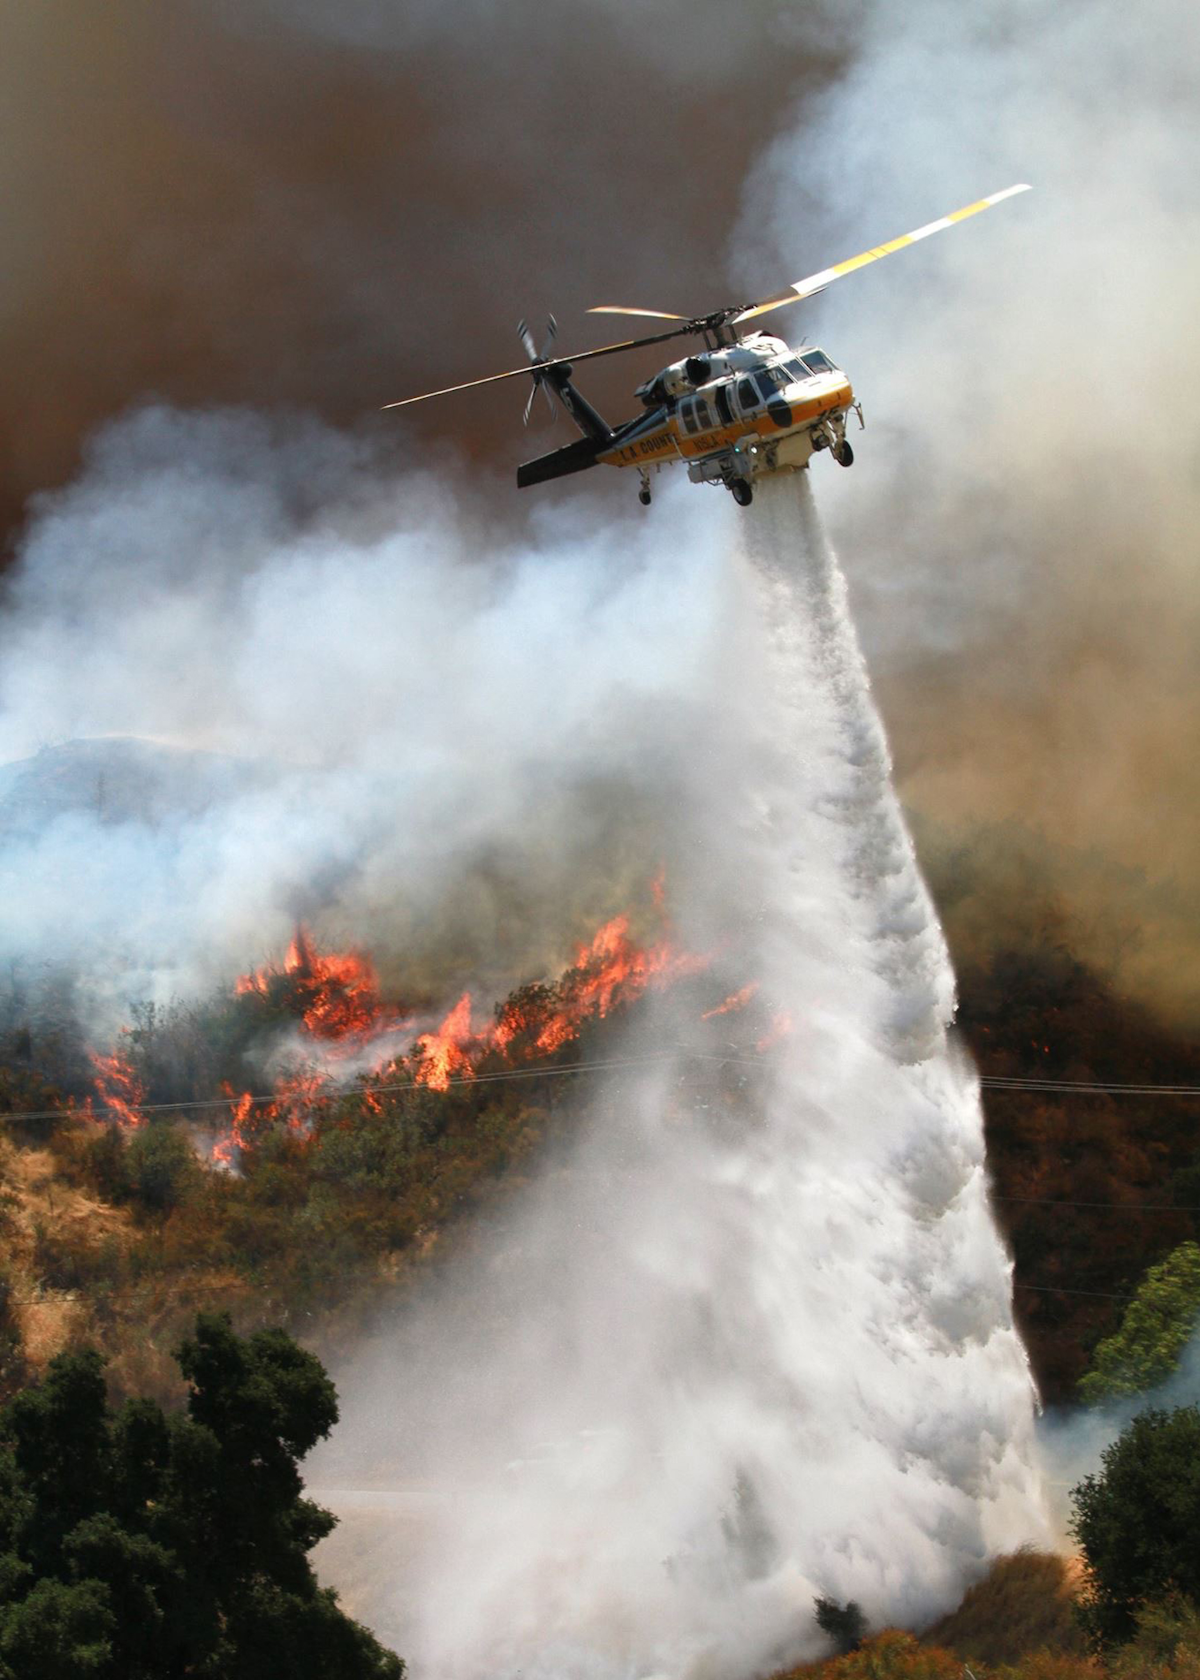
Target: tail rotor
[536,357]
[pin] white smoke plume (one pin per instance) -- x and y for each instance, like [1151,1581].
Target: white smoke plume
[722,1359]
[1071,1444]
[332,695]
[1020,521]
[718,1360]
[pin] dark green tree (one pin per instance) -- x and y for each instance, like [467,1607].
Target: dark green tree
[844,1623]
[140,1546]
[1137,1523]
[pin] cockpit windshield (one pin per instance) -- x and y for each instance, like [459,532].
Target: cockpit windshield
[779,375]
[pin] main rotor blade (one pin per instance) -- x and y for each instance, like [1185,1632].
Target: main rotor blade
[817,282]
[553,362]
[650,314]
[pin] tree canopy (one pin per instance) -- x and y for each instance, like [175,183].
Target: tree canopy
[1156,1328]
[137,1545]
[1137,1521]
[844,1623]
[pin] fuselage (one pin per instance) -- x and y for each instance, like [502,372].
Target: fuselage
[731,413]
[741,410]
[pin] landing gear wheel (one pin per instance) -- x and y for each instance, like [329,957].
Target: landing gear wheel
[843,454]
[644,497]
[742,492]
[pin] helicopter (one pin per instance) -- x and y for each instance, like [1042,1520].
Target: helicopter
[745,405]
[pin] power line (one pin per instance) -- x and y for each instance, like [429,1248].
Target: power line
[1121,1207]
[994,1081]
[1013,1082]
[201,1104]
[412,1085]
[1061,1289]
[56,1297]
[1004,1082]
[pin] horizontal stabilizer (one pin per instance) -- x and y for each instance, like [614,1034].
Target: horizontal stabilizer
[571,459]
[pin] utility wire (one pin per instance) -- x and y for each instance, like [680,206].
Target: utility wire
[53,1297]
[656,1058]
[990,1081]
[1059,1289]
[1001,1082]
[413,1085]
[1116,1207]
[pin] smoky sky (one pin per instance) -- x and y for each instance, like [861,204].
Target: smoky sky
[1020,528]
[286,203]
[293,206]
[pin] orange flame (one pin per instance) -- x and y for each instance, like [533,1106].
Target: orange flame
[612,970]
[609,971]
[294,1098]
[119,1089]
[781,1026]
[292,1103]
[443,1053]
[337,999]
[735,1001]
[228,1147]
[338,992]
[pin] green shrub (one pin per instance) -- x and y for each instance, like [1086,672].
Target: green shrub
[1168,1634]
[1157,1326]
[160,1166]
[1137,1523]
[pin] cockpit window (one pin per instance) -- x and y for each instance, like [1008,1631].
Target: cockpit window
[747,395]
[818,361]
[693,411]
[767,380]
[796,368]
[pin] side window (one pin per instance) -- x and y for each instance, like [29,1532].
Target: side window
[748,397]
[703,417]
[721,399]
[687,413]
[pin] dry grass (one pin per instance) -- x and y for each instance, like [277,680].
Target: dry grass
[64,1252]
[54,1235]
[1024,1604]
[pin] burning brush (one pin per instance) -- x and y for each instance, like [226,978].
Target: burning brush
[328,1009]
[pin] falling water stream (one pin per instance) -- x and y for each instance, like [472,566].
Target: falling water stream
[716,1362]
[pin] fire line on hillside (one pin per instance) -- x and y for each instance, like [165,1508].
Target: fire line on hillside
[346,1032]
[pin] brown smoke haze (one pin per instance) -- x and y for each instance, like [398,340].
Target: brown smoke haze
[291,205]
[325,207]
[1021,530]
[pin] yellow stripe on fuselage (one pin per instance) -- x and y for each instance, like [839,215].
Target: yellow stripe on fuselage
[668,440]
